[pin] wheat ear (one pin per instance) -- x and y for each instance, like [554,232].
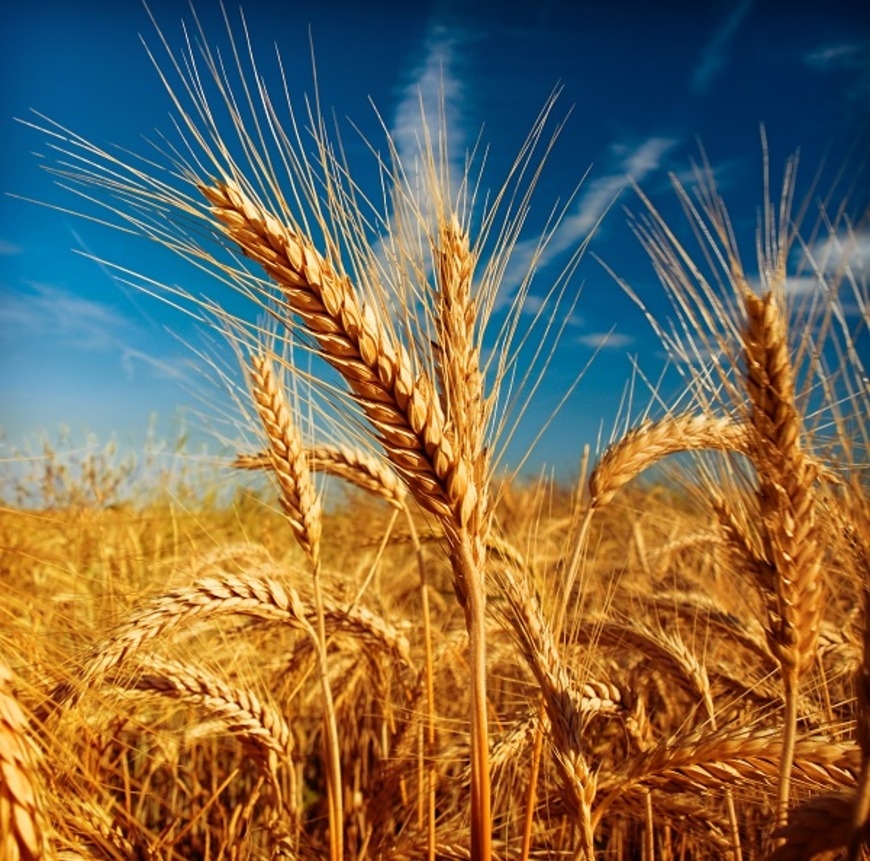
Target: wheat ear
[359,468]
[458,356]
[716,760]
[568,709]
[287,458]
[208,599]
[651,441]
[400,404]
[792,547]
[23,820]
[240,709]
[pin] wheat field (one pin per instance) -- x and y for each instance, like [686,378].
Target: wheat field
[395,649]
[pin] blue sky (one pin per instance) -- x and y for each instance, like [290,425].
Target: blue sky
[643,83]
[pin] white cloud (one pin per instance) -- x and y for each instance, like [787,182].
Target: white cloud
[835,253]
[159,367]
[627,164]
[48,314]
[837,55]
[535,304]
[850,58]
[805,285]
[8,249]
[605,340]
[427,133]
[48,311]
[430,105]
[633,164]
[715,53]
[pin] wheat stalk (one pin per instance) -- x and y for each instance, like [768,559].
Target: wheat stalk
[792,549]
[302,507]
[403,411]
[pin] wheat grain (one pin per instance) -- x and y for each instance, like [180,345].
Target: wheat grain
[24,834]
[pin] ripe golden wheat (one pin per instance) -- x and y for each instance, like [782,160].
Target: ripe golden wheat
[615,669]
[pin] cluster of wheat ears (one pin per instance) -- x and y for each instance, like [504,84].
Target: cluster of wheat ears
[457,666]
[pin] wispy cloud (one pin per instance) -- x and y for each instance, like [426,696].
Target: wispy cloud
[169,370]
[837,55]
[59,318]
[535,305]
[627,163]
[427,123]
[8,249]
[632,164]
[846,56]
[714,55]
[841,252]
[800,286]
[47,311]
[430,104]
[605,340]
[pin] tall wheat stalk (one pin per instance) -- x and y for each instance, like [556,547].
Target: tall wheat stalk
[301,505]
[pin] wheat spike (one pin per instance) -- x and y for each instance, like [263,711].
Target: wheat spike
[207,599]
[400,404]
[23,820]
[785,486]
[287,458]
[365,471]
[240,709]
[648,443]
